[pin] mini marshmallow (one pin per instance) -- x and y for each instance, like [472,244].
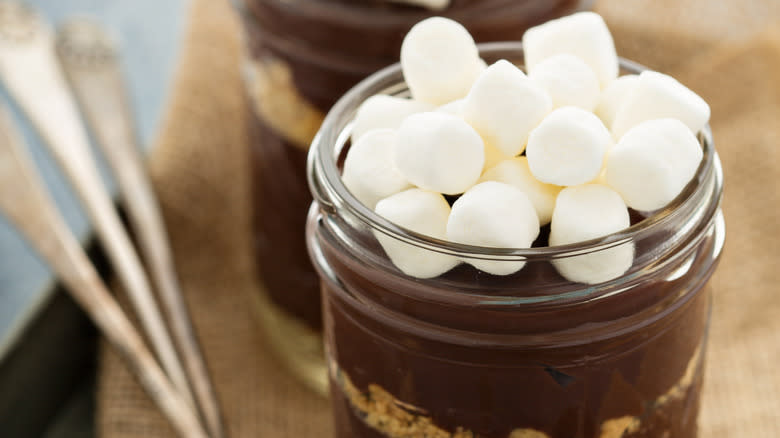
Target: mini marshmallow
[440,60]
[659,96]
[496,215]
[454,108]
[423,212]
[568,80]
[613,97]
[587,212]
[583,34]
[568,147]
[653,162]
[504,105]
[382,111]
[439,152]
[493,156]
[369,172]
[515,172]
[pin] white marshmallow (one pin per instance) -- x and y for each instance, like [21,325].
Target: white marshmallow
[440,60]
[454,108]
[613,97]
[653,162]
[493,156]
[496,215]
[423,212]
[439,152]
[369,172]
[583,34]
[659,96]
[504,105]
[568,147]
[568,80]
[588,212]
[382,111]
[515,172]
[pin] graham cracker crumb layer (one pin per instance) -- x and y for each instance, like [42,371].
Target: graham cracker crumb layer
[277,102]
[381,411]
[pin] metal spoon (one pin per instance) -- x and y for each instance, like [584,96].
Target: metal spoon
[31,73]
[90,61]
[24,201]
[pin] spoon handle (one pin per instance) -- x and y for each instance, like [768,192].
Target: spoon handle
[31,73]
[90,61]
[26,204]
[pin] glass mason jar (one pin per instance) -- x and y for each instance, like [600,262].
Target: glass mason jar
[301,56]
[531,355]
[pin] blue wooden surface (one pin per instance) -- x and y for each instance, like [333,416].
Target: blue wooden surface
[148,32]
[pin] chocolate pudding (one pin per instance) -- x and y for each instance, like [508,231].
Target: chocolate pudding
[623,365]
[301,57]
[526,355]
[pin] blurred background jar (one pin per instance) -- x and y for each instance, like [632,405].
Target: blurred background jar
[301,56]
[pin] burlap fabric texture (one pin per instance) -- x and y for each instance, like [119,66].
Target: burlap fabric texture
[728,51]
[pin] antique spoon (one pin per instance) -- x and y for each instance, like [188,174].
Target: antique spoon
[25,202]
[90,60]
[31,73]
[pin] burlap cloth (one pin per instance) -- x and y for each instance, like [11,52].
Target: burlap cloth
[728,51]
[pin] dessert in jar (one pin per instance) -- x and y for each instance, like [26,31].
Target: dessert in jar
[301,56]
[560,289]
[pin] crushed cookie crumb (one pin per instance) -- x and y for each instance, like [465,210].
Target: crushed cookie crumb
[527,433]
[396,419]
[618,427]
[277,101]
[382,412]
[678,390]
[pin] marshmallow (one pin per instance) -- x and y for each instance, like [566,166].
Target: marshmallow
[658,96]
[583,34]
[454,108]
[368,169]
[568,80]
[613,97]
[439,152]
[653,162]
[440,60]
[382,111]
[515,172]
[496,215]
[504,105]
[422,212]
[568,147]
[588,212]
[493,156]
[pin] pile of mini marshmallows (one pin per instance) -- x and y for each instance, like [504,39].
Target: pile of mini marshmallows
[569,144]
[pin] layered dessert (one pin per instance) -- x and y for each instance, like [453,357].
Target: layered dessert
[302,56]
[516,242]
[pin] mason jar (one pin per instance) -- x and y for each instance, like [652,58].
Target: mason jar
[301,56]
[527,355]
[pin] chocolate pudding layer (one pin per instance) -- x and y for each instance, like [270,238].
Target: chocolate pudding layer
[625,365]
[302,56]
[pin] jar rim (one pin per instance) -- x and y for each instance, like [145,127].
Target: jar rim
[329,191]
